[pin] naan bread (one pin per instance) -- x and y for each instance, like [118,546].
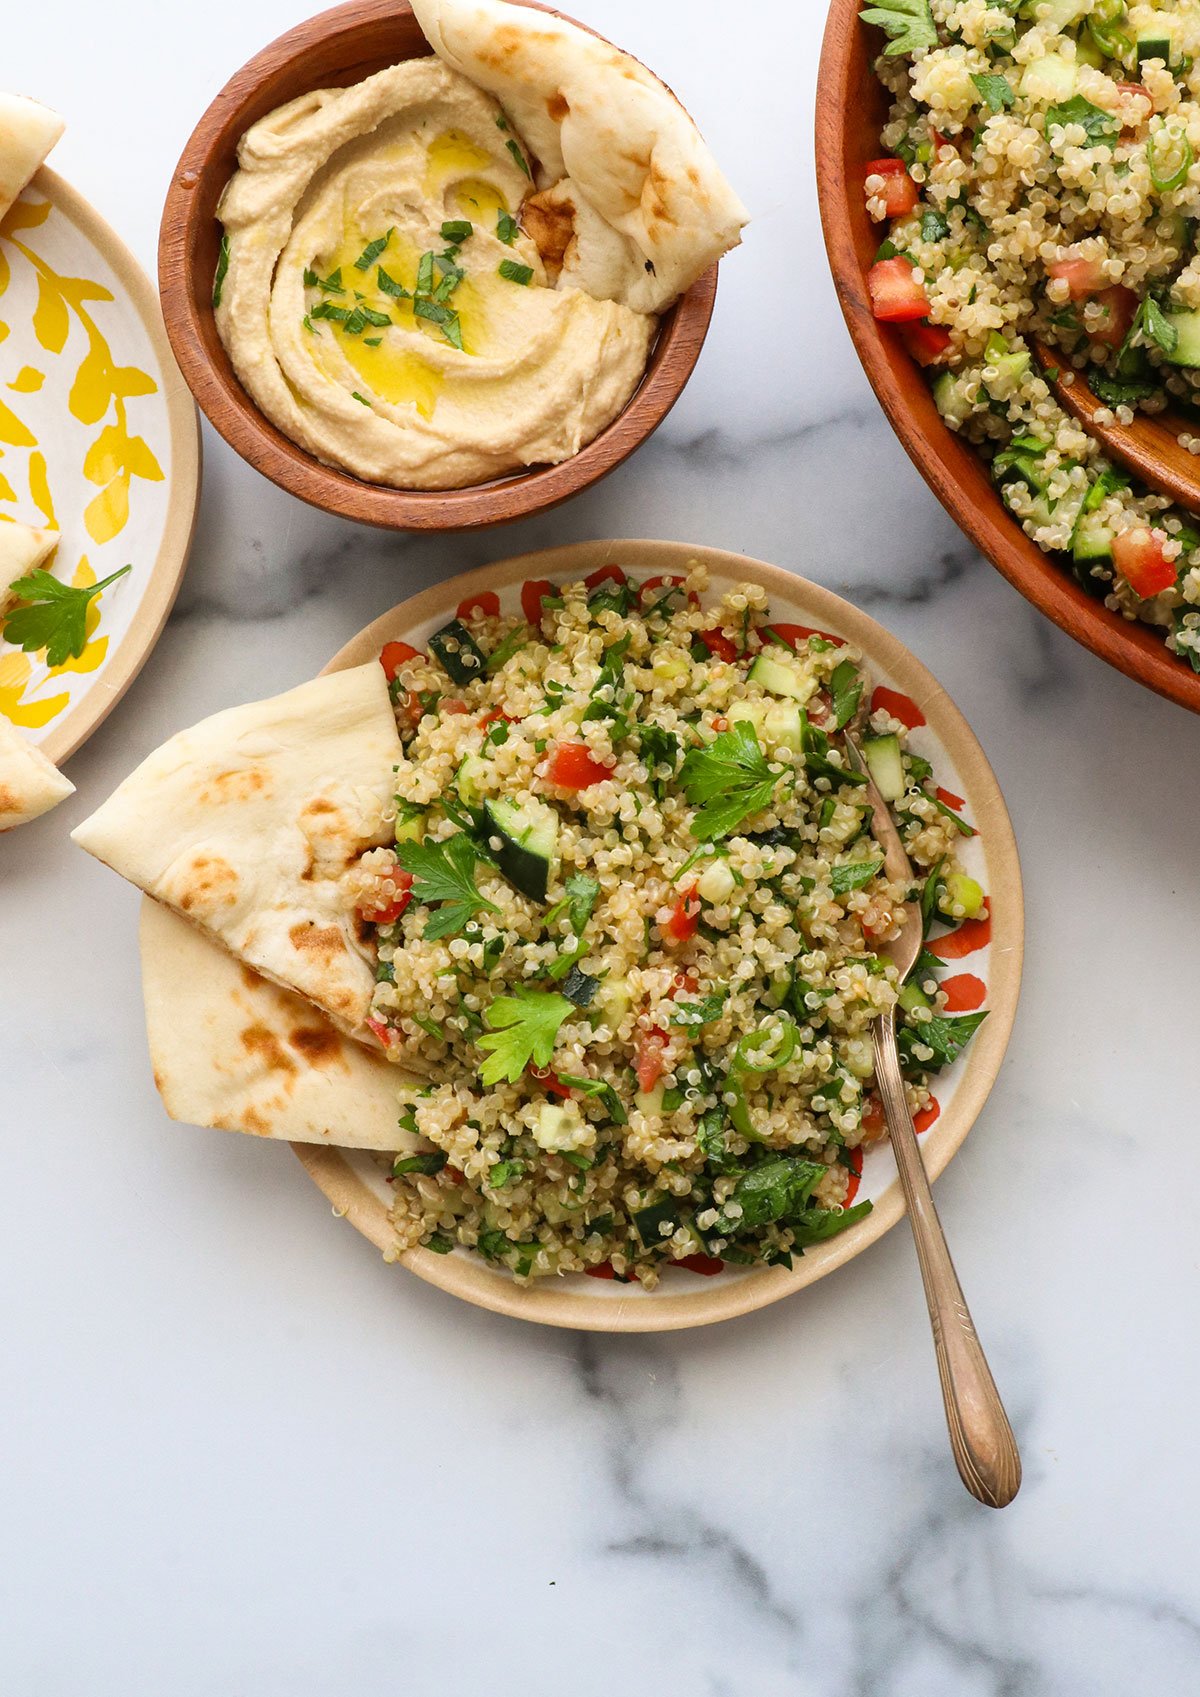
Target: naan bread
[232,1051]
[29,784]
[650,211]
[22,550]
[246,823]
[27,133]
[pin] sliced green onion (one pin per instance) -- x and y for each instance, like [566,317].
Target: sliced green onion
[1178,177]
[769,1048]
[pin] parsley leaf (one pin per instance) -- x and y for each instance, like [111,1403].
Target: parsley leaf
[56,615]
[853,874]
[520,158]
[372,251]
[445,872]
[580,899]
[443,316]
[457,230]
[996,90]
[1101,126]
[600,1088]
[659,748]
[846,688]
[521,1029]
[708,1008]
[222,268]
[909,23]
[934,226]
[1157,326]
[1114,393]
[770,1191]
[514,272]
[816,1225]
[727,781]
[507,228]
[946,1034]
[389,286]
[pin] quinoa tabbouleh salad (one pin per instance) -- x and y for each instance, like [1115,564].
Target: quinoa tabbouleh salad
[1042,182]
[629,934]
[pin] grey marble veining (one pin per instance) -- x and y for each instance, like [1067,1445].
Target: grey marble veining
[242,1456]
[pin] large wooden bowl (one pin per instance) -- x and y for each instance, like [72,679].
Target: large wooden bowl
[851,108]
[335,49]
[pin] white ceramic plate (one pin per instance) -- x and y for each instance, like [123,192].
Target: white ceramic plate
[357,1185]
[99,440]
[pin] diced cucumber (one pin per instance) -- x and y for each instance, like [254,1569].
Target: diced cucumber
[716,883]
[1049,78]
[912,996]
[776,672]
[469,779]
[779,989]
[1154,44]
[614,1000]
[1187,348]
[1054,14]
[1092,542]
[1009,365]
[410,822]
[528,838]
[559,1126]
[458,652]
[783,726]
[650,1101]
[950,399]
[748,713]
[882,755]
[958,890]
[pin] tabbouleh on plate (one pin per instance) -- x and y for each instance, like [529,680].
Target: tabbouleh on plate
[629,929]
[1042,182]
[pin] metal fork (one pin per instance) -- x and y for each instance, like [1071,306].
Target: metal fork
[980,1435]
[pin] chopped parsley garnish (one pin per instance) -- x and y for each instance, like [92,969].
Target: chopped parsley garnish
[946,1034]
[504,1172]
[54,616]
[443,316]
[1100,126]
[372,251]
[427,1164]
[445,872]
[513,272]
[507,228]
[704,1011]
[854,874]
[520,158]
[522,1029]
[934,226]
[1153,321]
[389,286]
[908,23]
[659,748]
[457,230]
[727,782]
[355,396]
[222,269]
[603,1091]
[771,1191]
[579,902]
[846,687]
[996,90]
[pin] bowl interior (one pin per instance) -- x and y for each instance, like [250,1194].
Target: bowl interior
[356,1185]
[851,108]
[335,49]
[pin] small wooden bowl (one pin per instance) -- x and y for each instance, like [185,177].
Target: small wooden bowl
[335,49]
[851,109]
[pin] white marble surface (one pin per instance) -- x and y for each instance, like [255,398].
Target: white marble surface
[240,1455]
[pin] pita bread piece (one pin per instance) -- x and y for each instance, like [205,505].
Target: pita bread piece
[641,209]
[22,550]
[29,784]
[27,133]
[232,1051]
[246,823]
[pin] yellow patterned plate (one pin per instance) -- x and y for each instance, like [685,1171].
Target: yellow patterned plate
[99,440]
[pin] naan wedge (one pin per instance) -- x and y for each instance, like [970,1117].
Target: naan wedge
[29,784]
[640,207]
[232,1051]
[27,133]
[246,823]
[22,550]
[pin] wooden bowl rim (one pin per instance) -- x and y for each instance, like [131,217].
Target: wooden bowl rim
[122,666]
[548,1303]
[681,336]
[1131,647]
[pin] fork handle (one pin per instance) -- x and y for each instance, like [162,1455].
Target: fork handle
[980,1435]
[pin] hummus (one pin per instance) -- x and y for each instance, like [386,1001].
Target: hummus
[383,308]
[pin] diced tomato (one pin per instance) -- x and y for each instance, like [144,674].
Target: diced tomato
[706,1265]
[1120,305]
[497,713]
[900,193]
[795,636]
[874,1120]
[393,656]
[938,139]
[602,1270]
[452,706]
[720,722]
[856,1161]
[550,1082]
[895,297]
[648,1059]
[382,1032]
[720,646]
[929,344]
[901,707]
[394,897]
[1138,556]
[532,592]
[1083,277]
[574,767]
[453,1175]
[683,981]
[1141,92]
[685,917]
[606,574]
[487,603]
[408,704]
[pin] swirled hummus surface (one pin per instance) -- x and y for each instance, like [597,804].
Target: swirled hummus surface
[381,304]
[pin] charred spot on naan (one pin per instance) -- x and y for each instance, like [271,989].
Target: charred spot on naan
[319,1046]
[239,783]
[263,1044]
[204,884]
[558,106]
[549,219]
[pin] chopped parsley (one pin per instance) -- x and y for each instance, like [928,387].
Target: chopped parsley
[513,272]
[908,23]
[457,230]
[445,872]
[389,286]
[372,251]
[854,874]
[727,782]
[1100,126]
[222,270]
[507,228]
[520,158]
[522,1029]
[996,90]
